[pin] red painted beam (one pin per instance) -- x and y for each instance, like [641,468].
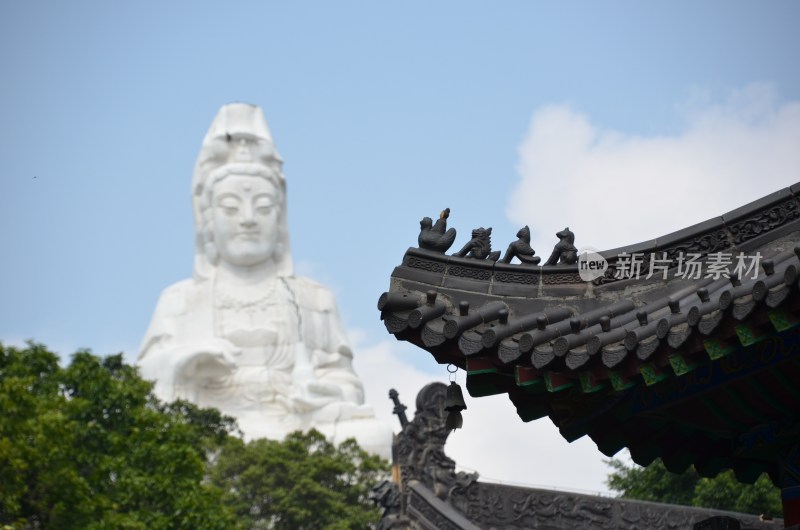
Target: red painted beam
[790,497]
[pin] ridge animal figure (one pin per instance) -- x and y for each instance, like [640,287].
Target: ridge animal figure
[564,251]
[521,248]
[480,246]
[433,236]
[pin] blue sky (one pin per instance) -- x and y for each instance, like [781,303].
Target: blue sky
[551,114]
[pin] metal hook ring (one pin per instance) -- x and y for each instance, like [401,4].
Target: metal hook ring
[452,372]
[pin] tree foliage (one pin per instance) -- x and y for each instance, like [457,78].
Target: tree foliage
[724,492]
[303,482]
[89,447]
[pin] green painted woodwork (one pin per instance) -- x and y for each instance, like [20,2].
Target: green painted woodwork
[781,320]
[556,382]
[482,371]
[487,383]
[717,349]
[525,379]
[747,335]
[651,374]
[589,384]
[680,365]
[480,366]
[618,381]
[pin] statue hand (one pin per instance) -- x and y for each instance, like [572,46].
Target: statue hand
[207,361]
[314,395]
[323,389]
[326,403]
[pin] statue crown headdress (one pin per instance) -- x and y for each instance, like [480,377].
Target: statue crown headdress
[238,134]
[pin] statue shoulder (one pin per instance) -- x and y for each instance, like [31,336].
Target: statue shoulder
[177,305]
[175,298]
[311,294]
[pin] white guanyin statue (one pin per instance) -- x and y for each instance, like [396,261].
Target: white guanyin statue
[245,335]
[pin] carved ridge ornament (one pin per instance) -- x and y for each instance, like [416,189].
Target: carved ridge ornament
[430,513]
[426,265]
[765,221]
[516,277]
[562,277]
[468,272]
[715,241]
[498,506]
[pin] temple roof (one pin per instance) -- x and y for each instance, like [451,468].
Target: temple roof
[694,361]
[428,493]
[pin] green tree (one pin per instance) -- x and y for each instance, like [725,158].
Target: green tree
[724,492]
[652,483]
[89,447]
[303,482]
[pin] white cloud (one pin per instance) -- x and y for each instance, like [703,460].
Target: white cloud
[494,441]
[614,189]
[381,366]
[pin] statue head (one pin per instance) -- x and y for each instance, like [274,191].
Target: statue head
[239,195]
[524,234]
[566,235]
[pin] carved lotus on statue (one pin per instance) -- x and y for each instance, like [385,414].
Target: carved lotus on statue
[245,335]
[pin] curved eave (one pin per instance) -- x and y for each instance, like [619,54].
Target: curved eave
[582,353]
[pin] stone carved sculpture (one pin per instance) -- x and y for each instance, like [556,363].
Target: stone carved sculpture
[480,246]
[419,448]
[245,335]
[521,249]
[436,237]
[565,251]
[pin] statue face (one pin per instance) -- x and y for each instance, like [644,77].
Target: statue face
[245,216]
